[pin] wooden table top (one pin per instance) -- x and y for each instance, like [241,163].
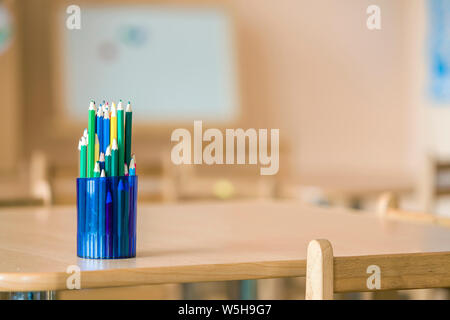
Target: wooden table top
[199,242]
[359,183]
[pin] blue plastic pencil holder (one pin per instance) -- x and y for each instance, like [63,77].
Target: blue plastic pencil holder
[106,217]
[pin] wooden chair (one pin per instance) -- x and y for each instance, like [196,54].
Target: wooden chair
[387,207]
[326,274]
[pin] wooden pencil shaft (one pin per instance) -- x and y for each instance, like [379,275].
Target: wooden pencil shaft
[128,133]
[91,144]
[114,163]
[83,161]
[108,166]
[121,140]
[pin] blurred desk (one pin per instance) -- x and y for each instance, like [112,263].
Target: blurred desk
[199,242]
[17,194]
[350,188]
[360,184]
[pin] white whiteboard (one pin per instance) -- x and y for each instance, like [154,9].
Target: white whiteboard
[173,64]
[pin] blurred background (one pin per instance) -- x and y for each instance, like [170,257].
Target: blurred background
[360,111]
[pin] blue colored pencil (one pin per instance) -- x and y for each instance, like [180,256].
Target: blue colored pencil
[102,214]
[120,217]
[106,133]
[99,128]
[126,218]
[132,170]
[109,223]
[101,161]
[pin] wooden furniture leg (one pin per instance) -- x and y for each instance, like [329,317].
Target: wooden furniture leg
[319,270]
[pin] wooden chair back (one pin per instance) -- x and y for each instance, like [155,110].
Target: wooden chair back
[326,274]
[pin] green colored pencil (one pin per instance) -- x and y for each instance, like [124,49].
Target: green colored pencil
[83,157]
[91,141]
[97,170]
[108,162]
[114,159]
[126,220]
[120,136]
[128,131]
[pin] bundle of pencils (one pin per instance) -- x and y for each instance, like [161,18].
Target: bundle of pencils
[107,186]
[107,151]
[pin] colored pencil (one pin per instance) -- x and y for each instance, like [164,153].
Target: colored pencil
[101,161]
[125,170]
[121,137]
[97,170]
[108,222]
[83,148]
[106,109]
[79,151]
[128,132]
[132,171]
[106,134]
[113,124]
[120,215]
[126,217]
[99,128]
[91,141]
[97,149]
[102,214]
[114,159]
[108,162]
[132,218]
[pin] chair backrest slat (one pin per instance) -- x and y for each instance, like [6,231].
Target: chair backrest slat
[396,272]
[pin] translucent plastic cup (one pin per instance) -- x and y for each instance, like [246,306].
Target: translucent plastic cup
[106,217]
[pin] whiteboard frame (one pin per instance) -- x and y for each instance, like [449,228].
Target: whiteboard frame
[65,127]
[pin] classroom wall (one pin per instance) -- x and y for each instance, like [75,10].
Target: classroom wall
[435,117]
[337,91]
[10,133]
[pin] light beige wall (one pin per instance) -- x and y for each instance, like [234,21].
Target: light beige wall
[435,118]
[338,90]
[10,141]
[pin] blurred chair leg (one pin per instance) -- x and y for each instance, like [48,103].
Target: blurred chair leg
[248,290]
[271,289]
[188,291]
[32,295]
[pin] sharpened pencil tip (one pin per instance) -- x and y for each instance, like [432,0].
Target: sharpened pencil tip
[108,197]
[103,174]
[108,151]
